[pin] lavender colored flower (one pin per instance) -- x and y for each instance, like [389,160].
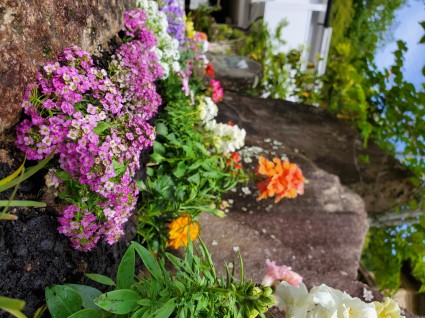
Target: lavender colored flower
[174,13]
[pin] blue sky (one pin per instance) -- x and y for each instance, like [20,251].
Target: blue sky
[408,30]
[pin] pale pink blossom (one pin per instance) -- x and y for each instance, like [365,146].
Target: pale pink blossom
[276,274]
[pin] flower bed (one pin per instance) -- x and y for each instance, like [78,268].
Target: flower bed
[97,121]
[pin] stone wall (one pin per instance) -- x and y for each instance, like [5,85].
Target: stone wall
[34,32]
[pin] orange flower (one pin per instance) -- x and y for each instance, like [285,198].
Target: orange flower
[234,160]
[284,179]
[181,229]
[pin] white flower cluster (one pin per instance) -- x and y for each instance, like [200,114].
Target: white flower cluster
[326,302]
[227,138]
[168,47]
[207,110]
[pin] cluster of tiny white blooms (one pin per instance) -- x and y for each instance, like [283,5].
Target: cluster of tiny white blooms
[227,138]
[207,110]
[167,49]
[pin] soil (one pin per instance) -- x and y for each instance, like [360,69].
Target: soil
[33,255]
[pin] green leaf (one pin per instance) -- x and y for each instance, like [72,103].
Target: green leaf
[194,178]
[180,170]
[161,129]
[118,167]
[156,157]
[101,279]
[119,302]
[86,313]
[62,301]
[166,310]
[125,274]
[13,176]
[11,303]
[88,295]
[22,203]
[30,171]
[63,175]
[149,261]
[196,164]
[101,127]
[158,148]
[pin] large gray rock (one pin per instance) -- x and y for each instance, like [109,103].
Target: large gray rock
[321,233]
[329,143]
[34,32]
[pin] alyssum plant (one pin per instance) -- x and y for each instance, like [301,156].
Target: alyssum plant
[191,290]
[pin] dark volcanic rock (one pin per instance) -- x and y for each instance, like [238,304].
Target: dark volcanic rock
[34,32]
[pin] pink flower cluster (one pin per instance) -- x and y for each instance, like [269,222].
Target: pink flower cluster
[78,112]
[134,69]
[193,53]
[135,28]
[276,274]
[216,91]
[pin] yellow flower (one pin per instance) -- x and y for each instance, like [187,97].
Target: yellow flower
[388,309]
[190,31]
[181,229]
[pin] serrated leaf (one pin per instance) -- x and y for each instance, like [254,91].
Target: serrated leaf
[101,279]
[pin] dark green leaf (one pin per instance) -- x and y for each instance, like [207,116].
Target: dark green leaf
[180,169]
[62,301]
[166,310]
[101,279]
[125,275]
[87,294]
[86,313]
[149,261]
[119,302]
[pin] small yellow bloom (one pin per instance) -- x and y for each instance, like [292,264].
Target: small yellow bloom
[181,229]
[388,309]
[190,31]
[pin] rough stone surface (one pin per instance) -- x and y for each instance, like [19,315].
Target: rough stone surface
[321,233]
[235,73]
[34,32]
[329,143]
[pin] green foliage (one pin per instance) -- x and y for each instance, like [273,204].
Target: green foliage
[389,248]
[387,108]
[12,306]
[281,71]
[191,290]
[202,19]
[13,180]
[184,174]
